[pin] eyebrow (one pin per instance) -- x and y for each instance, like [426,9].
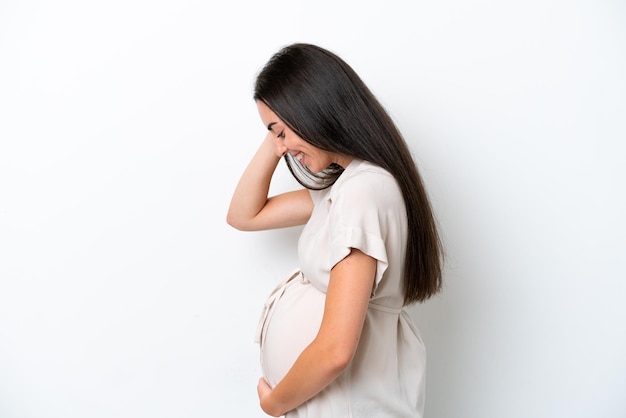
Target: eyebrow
[269,127]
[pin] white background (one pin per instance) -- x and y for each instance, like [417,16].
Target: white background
[124,126]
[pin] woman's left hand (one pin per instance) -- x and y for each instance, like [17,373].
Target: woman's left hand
[264,390]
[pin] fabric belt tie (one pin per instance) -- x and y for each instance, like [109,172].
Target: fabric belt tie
[383,308]
[270,303]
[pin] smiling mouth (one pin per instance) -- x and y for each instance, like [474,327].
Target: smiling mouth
[299,156]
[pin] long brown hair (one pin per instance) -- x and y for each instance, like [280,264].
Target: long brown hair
[326,103]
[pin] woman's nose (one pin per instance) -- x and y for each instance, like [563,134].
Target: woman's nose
[281,149]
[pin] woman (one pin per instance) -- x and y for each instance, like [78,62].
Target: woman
[335,341]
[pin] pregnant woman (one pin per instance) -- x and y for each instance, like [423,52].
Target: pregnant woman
[335,340]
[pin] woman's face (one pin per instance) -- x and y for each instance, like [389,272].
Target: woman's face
[287,141]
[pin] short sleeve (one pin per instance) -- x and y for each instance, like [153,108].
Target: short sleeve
[359,213]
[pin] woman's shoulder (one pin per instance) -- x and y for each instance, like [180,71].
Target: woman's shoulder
[363,178]
[360,171]
[361,181]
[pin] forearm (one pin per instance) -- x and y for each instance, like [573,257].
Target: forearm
[251,192]
[315,368]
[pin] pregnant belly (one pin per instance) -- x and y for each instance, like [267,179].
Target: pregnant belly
[290,327]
